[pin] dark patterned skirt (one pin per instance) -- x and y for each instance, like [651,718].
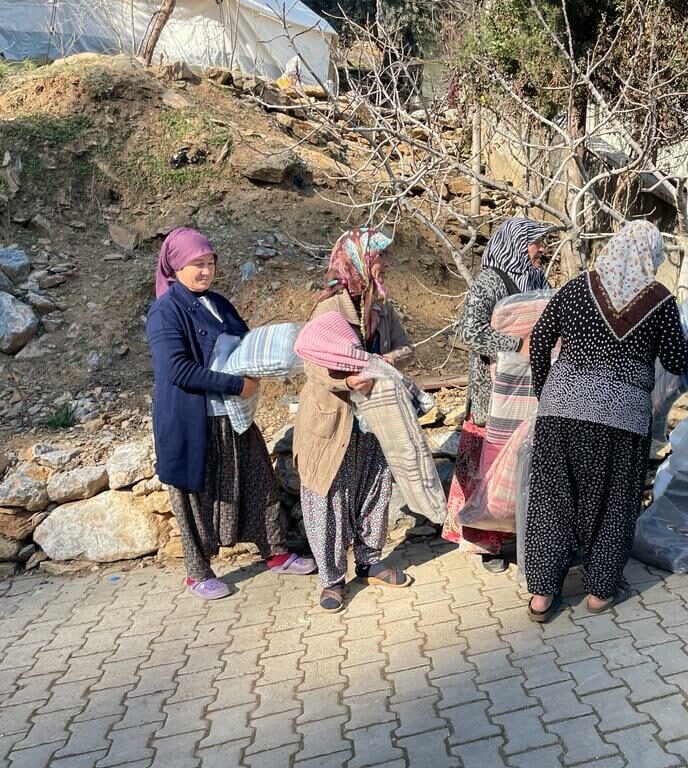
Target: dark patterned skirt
[586,491]
[240,501]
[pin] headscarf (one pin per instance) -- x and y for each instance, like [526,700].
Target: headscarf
[507,250]
[351,261]
[180,247]
[628,262]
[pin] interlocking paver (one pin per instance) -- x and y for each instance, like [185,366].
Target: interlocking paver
[457,689]
[480,754]
[176,751]
[321,704]
[640,748]
[614,709]
[469,722]
[417,716]
[34,756]
[322,737]
[89,736]
[47,729]
[559,702]
[545,757]
[366,710]
[507,695]
[524,730]
[671,714]
[194,686]
[104,703]
[619,653]
[672,658]
[228,725]
[373,746]
[582,741]
[222,755]
[272,732]
[184,717]
[590,676]
[644,682]
[429,749]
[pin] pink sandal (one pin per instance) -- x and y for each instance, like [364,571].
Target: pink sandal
[210,589]
[295,565]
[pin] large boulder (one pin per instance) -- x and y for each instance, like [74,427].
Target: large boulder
[273,167]
[75,484]
[9,549]
[18,324]
[20,489]
[111,526]
[130,463]
[14,264]
[17,525]
[53,456]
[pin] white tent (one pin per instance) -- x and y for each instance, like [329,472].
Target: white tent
[256,36]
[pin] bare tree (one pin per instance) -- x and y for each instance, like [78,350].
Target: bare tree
[411,151]
[160,18]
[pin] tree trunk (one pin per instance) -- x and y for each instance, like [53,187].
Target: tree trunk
[476,157]
[160,19]
[571,261]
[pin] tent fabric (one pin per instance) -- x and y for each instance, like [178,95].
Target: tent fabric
[244,34]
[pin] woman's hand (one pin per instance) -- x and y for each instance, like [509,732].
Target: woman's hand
[250,388]
[525,347]
[359,384]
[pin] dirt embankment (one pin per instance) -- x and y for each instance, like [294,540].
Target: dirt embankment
[89,190]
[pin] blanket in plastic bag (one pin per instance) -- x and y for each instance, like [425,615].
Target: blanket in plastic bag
[265,352]
[512,399]
[389,411]
[661,533]
[492,507]
[668,388]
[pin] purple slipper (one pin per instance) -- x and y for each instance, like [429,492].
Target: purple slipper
[210,589]
[296,566]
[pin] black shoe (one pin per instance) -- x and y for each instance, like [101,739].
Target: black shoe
[494,563]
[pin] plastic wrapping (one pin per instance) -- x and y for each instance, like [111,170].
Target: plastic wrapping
[493,505]
[661,535]
[517,314]
[525,465]
[265,352]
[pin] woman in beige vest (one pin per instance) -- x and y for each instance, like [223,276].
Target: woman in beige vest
[345,481]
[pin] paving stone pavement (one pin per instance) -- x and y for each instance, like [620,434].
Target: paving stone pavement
[97,672]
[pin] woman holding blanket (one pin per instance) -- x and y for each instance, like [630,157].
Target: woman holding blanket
[592,433]
[221,484]
[510,264]
[345,482]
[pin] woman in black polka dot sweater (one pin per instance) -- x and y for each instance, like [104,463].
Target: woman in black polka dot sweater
[592,433]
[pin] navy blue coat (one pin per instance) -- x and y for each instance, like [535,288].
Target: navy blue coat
[182,333]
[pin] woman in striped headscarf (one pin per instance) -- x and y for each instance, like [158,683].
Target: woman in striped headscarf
[511,264]
[346,484]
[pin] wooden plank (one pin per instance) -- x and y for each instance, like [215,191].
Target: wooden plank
[432,383]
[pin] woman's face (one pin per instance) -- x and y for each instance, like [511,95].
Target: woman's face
[536,252]
[380,266]
[198,274]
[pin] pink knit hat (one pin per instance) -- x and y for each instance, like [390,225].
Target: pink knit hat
[328,340]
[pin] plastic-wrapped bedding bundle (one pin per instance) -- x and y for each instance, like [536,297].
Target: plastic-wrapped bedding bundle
[512,399]
[265,352]
[492,507]
[668,388]
[525,465]
[389,411]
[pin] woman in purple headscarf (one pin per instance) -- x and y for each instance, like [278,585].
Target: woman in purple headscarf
[222,486]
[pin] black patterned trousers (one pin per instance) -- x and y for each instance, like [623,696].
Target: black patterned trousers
[586,490]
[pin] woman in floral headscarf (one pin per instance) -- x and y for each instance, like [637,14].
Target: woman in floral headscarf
[345,482]
[592,433]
